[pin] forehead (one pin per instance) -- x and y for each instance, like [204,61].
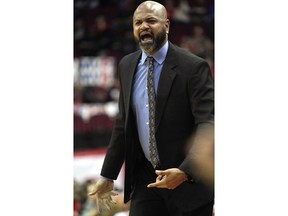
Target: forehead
[145,16]
[144,13]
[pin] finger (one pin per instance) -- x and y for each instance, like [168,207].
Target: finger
[105,199]
[108,204]
[101,204]
[97,211]
[104,195]
[108,194]
[160,172]
[111,200]
[113,193]
[97,205]
[92,193]
[151,185]
[159,178]
[156,184]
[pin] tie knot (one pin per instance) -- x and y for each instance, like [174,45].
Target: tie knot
[150,59]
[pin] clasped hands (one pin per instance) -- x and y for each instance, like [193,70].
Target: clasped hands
[169,178]
[102,193]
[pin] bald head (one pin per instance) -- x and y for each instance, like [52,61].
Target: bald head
[150,26]
[153,7]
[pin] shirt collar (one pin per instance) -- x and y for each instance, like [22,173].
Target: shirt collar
[159,56]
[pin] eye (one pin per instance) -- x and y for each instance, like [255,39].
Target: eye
[152,21]
[137,23]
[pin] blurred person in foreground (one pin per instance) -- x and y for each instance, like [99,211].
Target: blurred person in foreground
[201,153]
[184,95]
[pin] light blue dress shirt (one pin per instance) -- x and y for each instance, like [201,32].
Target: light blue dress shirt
[140,94]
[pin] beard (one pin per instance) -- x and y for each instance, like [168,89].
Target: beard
[156,43]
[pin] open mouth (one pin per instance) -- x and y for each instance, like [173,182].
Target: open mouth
[146,37]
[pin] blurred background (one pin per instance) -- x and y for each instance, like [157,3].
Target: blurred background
[103,34]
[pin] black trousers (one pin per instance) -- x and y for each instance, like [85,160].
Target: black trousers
[158,201]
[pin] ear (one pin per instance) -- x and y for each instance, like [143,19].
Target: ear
[167,25]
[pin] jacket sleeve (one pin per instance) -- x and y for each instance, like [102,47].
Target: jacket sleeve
[114,157]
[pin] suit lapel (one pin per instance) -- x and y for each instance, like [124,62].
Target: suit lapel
[165,82]
[127,79]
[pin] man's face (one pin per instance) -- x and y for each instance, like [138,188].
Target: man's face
[150,30]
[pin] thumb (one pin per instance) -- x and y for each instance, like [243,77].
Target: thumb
[102,185]
[92,193]
[93,190]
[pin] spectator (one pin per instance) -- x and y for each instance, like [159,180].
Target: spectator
[198,43]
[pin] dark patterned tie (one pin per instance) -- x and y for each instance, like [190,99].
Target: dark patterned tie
[151,97]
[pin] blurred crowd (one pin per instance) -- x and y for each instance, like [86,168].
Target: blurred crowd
[104,28]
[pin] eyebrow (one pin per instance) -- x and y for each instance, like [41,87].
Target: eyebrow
[147,18]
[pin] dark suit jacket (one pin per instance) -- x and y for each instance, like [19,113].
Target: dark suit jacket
[185,98]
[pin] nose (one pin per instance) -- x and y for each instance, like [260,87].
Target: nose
[144,26]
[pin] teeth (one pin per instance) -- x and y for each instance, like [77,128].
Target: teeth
[146,37]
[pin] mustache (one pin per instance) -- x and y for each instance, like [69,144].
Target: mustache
[145,32]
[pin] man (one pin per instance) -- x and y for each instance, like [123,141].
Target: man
[159,179]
